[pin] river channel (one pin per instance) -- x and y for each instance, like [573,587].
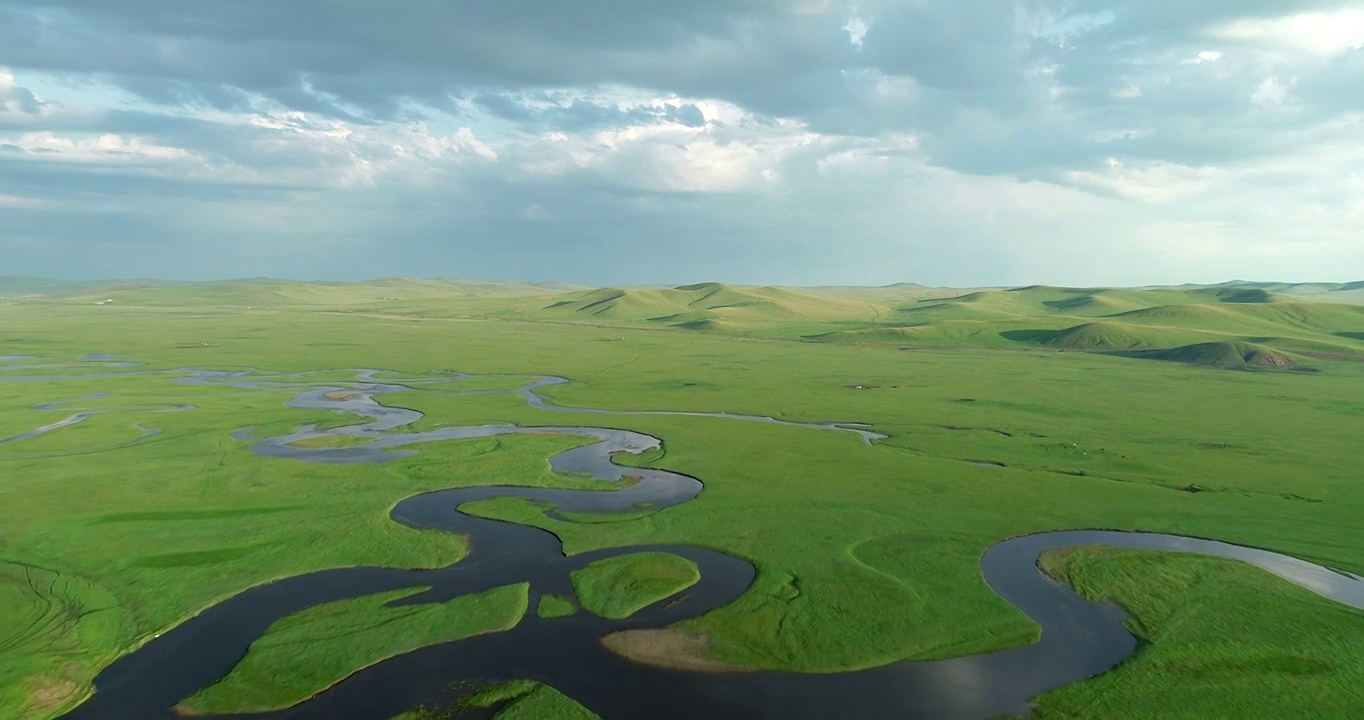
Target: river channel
[1079,639]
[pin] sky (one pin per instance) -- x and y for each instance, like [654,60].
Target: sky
[946,142]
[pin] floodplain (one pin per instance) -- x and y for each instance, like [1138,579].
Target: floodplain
[1226,413]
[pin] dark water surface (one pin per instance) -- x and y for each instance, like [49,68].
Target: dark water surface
[1079,638]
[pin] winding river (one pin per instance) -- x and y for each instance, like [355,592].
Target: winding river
[1079,638]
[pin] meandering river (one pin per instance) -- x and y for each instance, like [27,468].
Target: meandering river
[1079,638]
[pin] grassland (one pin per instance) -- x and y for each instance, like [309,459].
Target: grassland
[553,606]
[307,652]
[1194,653]
[542,701]
[519,700]
[621,586]
[865,554]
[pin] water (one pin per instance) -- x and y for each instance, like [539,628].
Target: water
[1079,638]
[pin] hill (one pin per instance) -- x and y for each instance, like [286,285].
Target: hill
[1285,317]
[1235,356]
[706,306]
[1115,336]
[261,292]
[1349,292]
[25,286]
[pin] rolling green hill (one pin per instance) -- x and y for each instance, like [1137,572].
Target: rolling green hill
[1281,317]
[705,306]
[1110,335]
[1103,320]
[1226,355]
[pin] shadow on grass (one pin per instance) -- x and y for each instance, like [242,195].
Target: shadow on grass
[1032,336]
[1351,335]
[1081,300]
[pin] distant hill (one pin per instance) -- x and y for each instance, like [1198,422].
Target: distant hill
[254,292]
[1349,292]
[39,286]
[1264,324]
[704,306]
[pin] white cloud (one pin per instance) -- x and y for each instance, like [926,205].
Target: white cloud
[1129,90]
[1061,30]
[1321,33]
[18,104]
[110,148]
[534,211]
[857,28]
[1149,182]
[1272,91]
[671,158]
[1205,56]
[11,201]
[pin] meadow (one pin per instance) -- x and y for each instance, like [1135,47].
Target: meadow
[1224,412]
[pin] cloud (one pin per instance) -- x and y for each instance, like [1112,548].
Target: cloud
[973,141]
[1317,33]
[576,111]
[11,201]
[17,102]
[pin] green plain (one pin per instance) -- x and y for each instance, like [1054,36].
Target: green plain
[865,554]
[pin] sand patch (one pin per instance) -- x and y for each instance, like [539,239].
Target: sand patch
[342,394]
[48,693]
[667,648]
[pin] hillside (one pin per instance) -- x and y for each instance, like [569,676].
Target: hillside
[22,286]
[1216,320]
[705,306]
[263,292]
[1218,323]
[1348,292]
[1110,335]
[1232,356]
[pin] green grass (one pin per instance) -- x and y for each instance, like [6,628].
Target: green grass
[498,694]
[1213,642]
[541,702]
[555,606]
[865,554]
[305,653]
[48,617]
[621,586]
[519,700]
